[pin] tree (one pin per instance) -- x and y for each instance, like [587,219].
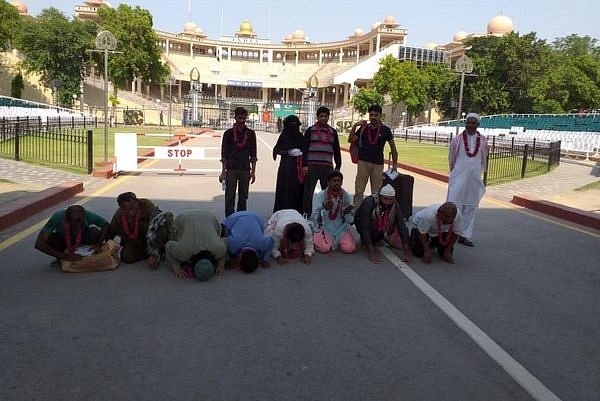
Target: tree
[17,86]
[507,69]
[575,45]
[364,98]
[442,87]
[137,43]
[54,47]
[10,22]
[404,83]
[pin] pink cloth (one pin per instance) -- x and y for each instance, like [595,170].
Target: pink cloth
[322,241]
[347,243]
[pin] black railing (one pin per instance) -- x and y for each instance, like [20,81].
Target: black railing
[67,148]
[47,123]
[509,159]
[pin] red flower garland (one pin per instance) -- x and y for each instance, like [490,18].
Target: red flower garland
[373,139]
[136,224]
[466,143]
[381,220]
[441,240]
[299,169]
[244,130]
[323,132]
[337,206]
[67,229]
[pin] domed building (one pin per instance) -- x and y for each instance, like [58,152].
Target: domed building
[499,25]
[21,7]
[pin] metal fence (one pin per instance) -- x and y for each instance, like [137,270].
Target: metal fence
[508,159]
[70,148]
[38,123]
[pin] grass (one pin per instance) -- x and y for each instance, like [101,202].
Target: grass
[591,186]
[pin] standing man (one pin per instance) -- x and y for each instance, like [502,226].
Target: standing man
[247,243]
[238,159]
[332,211]
[371,139]
[195,240]
[468,161]
[321,148]
[438,227]
[379,219]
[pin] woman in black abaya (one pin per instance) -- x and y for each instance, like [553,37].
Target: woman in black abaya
[289,187]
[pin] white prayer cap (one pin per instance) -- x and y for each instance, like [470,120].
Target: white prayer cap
[473,115]
[387,190]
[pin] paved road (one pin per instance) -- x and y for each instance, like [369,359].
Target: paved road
[514,319]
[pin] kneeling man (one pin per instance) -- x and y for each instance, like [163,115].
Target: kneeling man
[247,243]
[292,235]
[436,227]
[195,240]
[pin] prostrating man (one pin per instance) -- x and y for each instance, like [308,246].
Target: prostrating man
[467,159]
[68,229]
[195,241]
[321,149]
[238,160]
[247,244]
[379,219]
[332,212]
[436,227]
[371,138]
[292,235]
[142,227]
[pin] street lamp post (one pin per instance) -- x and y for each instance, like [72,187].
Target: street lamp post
[171,83]
[464,65]
[106,41]
[403,119]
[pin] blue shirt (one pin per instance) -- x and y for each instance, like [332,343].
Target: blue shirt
[245,230]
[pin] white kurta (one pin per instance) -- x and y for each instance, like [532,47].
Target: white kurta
[425,221]
[465,184]
[276,226]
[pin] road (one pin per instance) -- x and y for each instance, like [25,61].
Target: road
[515,319]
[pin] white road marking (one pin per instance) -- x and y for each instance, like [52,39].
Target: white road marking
[521,375]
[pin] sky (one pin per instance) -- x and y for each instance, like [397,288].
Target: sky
[327,21]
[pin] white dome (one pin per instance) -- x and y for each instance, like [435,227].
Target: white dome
[460,35]
[430,45]
[189,27]
[499,25]
[358,32]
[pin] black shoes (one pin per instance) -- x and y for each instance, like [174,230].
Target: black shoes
[465,242]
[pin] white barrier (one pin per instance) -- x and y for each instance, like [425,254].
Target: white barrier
[179,158]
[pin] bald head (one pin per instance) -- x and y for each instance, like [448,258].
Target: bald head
[447,212]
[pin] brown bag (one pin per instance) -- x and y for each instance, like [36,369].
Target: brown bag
[107,258]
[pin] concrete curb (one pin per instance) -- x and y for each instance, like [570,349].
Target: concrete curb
[571,214]
[22,208]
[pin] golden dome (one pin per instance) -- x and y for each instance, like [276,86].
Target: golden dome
[460,35]
[430,45]
[20,6]
[499,25]
[389,20]
[298,34]
[246,27]
[189,27]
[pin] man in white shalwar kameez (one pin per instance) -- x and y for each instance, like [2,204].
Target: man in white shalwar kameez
[468,161]
[293,236]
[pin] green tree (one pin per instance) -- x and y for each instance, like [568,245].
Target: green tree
[137,43]
[54,47]
[507,69]
[404,83]
[10,22]
[17,86]
[575,45]
[364,98]
[442,87]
